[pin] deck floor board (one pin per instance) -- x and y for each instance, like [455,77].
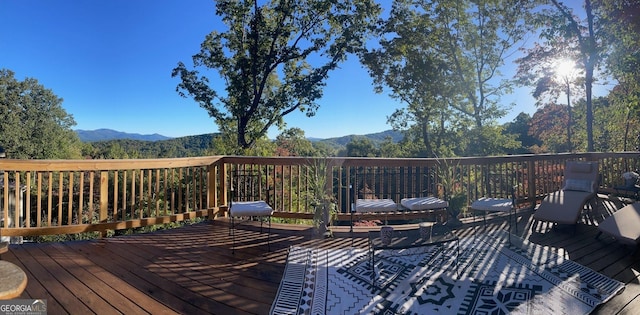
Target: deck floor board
[192,269]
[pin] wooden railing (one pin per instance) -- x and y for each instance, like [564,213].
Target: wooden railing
[76,196]
[46,197]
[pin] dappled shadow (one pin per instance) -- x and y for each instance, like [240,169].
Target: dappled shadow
[193,270]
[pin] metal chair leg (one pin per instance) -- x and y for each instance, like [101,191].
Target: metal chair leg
[233,236]
[351,229]
[269,235]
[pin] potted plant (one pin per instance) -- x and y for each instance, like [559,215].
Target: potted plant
[318,196]
[452,190]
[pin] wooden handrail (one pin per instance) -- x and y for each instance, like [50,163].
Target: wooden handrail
[104,165]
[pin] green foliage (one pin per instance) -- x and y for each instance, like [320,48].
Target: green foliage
[451,185]
[323,148]
[199,145]
[613,122]
[361,147]
[496,141]
[292,142]
[388,149]
[442,60]
[264,58]
[262,147]
[111,233]
[538,68]
[520,128]
[225,144]
[34,125]
[622,36]
[549,124]
[560,27]
[322,201]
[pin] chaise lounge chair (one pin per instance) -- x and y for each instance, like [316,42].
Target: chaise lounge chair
[623,225]
[580,187]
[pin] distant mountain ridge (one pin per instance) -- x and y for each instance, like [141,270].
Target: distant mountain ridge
[110,134]
[396,136]
[117,144]
[105,134]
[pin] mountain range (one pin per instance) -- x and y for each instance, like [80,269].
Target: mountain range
[110,134]
[104,134]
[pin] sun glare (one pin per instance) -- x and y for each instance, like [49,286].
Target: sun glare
[566,69]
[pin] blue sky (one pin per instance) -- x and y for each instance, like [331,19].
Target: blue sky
[111,62]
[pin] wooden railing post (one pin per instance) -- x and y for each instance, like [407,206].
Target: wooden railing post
[222,179]
[104,199]
[212,197]
[531,183]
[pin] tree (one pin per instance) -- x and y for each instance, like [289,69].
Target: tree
[323,148]
[391,149]
[361,147]
[408,64]
[34,125]
[625,97]
[520,127]
[274,59]
[622,29]
[609,125]
[548,124]
[442,59]
[550,69]
[292,142]
[558,21]
[477,37]
[224,143]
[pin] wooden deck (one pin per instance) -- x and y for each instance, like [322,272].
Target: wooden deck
[191,270]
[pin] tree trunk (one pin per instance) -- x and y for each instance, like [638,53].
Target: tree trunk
[592,55]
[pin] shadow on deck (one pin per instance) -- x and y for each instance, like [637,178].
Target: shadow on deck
[192,269]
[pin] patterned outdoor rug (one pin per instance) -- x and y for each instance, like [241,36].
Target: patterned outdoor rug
[492,277]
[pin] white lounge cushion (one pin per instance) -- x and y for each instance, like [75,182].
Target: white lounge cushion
[423,203]
[250,209]
[375,205]
[492,204]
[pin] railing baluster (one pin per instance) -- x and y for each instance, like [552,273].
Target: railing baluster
[180,199]
[116,193]
[27,207]
[5,196]
[16,196]
[149,200]
[164,192]
[124,195]
[70,199]
[91,195]
[39,201]
[132,202]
